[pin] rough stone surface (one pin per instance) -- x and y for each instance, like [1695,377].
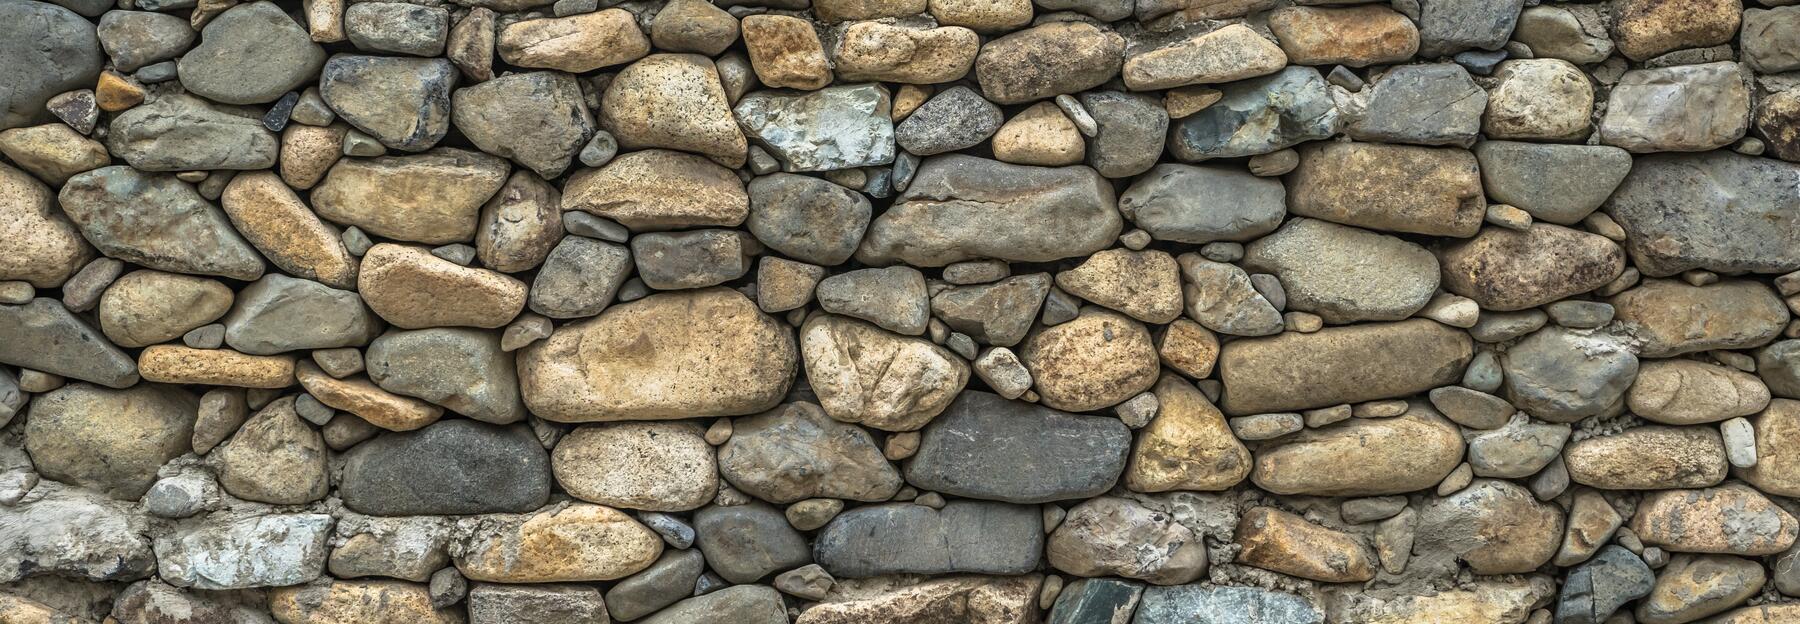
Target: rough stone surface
[990,448]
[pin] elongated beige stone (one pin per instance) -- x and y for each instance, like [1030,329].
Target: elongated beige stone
[215,367]
[279,225]
[359,396]
[575,543]
[413,289]
[1361,456]
[1337,365]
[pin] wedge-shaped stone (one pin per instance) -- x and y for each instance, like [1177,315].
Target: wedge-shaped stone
[998,313]
[74,532]
[157,221]
[42,246]
[461,369]
[45,336]
[1734,519]
[402,102]
[1506,270]
[1363,456]
[1391,360]
[832,128]
[537,119]
[276,458]
[976,537]
[430,198]
[1651,457]
[673,101]
[574,543]
[360,397]
[689,354]
[1187,446]
[1421,104]
[1325,269]
[1718,211]
[1145,285]
[961,207]
[1673,318]
[1402,188]
[271,550]
[1258,116]
[413,289]
[990,448]
[864,374]
[455,467]
[653,190]
[796,452]
[1189,204]
[1284,542]
[1561,184]
[1221,297]
[277,314]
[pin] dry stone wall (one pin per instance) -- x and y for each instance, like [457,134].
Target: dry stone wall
[899,311]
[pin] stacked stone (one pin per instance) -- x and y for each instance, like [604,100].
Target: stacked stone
[890,311]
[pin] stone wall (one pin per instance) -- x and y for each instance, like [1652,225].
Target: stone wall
[899,311]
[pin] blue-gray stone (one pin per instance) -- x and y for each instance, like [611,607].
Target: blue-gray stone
[44,336]
[1597,588]
[975,537]
[832,128]
[984,446]
[1097,601]
[451,467]
[1258,116]
[745,543]
[1187,604]
[44,50]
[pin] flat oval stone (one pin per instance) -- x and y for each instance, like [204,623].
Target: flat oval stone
[960,207]
[577,542]
[1652,457]
[1673,318]
[1324,269]
[359,601]
[1716,210]
[147,307]
[1402,188]
[1394,360]
[430,198]
[413,289]
[990,448]
[1688,392]
[653,190]
[1362,456]
[44,336]
[1507,270]
[1733,519]
[650,466]
[687,354]
[977,537]
[453,467]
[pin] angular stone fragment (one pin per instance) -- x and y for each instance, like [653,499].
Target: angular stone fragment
[1097,360]
[664,583]
[277,314]
[1732,519]
[1187,446]
[1189,204]
[430,198]
[1673,318]
[402,102]
[892,297]
[709,352]
[360,397]
[785,52]
[1507,270]
[1259,116]
[178,132]
[536,118]
[49,50]
[519,225]
[44,336]
[1098,600]
[1687,392]
[1199,602]
[1129,133]
[652,190]
[156,602]
[147,307]
[999,313]
[1047,60]
[405,547]
[1399,359]
[1651,457]
[902,538]
[1685,108]
[1424,104]
[43,248]
[413,289]
[1222,297]
[455,467]
[461,369]
[358,601]
[1450,26]
[73,532]
[833,128]
[986,447]
[1324,268]
[1561,184]
[580,278]
[673,101]
[1777,122]
[865,375]
[1356,37]
[274,458]
[308,152]
[573,543]
[958,118]
[157,221]
[960,207]
[1284,542]
[1231,53]
[576,43]
[397,27]
[1145,285]
[1717,211]
[1432,191]
[1358,457]
[902,53]
[648,466]
[1109,536]
[226,552]
[795,452]
[250,54]
[176,364]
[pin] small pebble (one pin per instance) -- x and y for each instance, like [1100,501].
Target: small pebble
[456,252]
[205,337]
[1508,217]
[1077,113]
[1266,426]
[601,148]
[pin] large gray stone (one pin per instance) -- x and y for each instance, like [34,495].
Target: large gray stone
[807,218]
[250,54]
[833,128]
[1561,184]
[462,369]
[179,132]
[44,336]
[1450,26]
[1345,274]
[1685,108]
[402,102]
[277,314]
[1717,211]
[452,467]
[1258,116]
[961,207]
[74,532]
[1181,604]
[1129,131]
[999,313]
[1564,375]
[580,277]
[537,119]
[226,552]
[987,447]
[1425,104]
[744,604]
[745,543]
[45,50]
[664,583]
[137,38]
[1188,204]
[976,537]
[796,452]
[157,221]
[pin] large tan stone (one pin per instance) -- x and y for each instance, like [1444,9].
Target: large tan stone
[1276,540]
[959,599]
[1651,457]
[1493,526]
[576,44]
[276,457]
[53,152]
[308,152]
[653,190]
[431,198]
[1228,54]
[146,307]
[176,364]
[1363,456]
[359,396]
[674,101]
[412,289]
[785,52]
[345,602]
[1733,519]
[1510,600]
[109,441]
[868,375]
[577,542]
[1111,536]
[1403,188]
[41,245]
[1143,284]
[1776,613]
[1689,392]
[1048,60]
[1095,361]
[279,225]
[687,354]
[1777,469]
[1187,446]
[1355,36]
[1691,587]
[1337,365]
[1504,269]
[1673,318]
[1646,28]
[903,54]
[652,466]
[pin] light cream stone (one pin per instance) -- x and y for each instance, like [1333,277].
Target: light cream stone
[1232,53]
[1041,135]
[146,307]
[867,375]
[41,245]
[279,225]
[577,542]
[1542,99]
[1187,446]
[412,289]
[674,101]
[54,151]
[785,52]
[359,396]
[895,53]
[576,44]
[1688,392]
[653,190]
[652,466]
[1098,360]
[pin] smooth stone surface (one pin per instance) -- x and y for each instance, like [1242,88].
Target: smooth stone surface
[1352,458]
[157,221]
[1564,375]
[1203,204]
[903,538]
[278,314]
[989,448]
[109,441]
[1673,318]
[1324,269]
[402,102]
[1560,184]
[179,132]
[250,54]
[796,452]
[1413,356]
[499,470]
[1717,211]
[49,50]
[576,542]
[961,207]
[1401,188]
[745,543]
[462,369]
